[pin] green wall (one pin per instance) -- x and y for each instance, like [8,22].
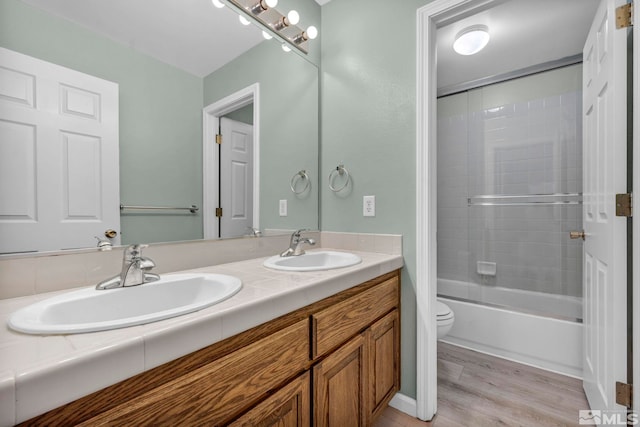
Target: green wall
[368,86]
[160,116]
[242,115]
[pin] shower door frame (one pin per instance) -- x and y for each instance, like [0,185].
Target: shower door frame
[428,19]
[635,237]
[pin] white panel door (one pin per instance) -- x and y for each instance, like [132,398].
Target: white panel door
[59,174]
[236,177]
[605,170]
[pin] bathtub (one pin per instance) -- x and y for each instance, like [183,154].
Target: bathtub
[552,342]
[557,306]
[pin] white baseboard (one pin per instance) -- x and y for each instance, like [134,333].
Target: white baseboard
[404,404]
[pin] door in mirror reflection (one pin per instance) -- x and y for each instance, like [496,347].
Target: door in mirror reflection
[59,181]
[236,178]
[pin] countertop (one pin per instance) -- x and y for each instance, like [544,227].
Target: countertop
[40,373]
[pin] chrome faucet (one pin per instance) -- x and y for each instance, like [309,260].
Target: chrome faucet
[135,270]
[295,245]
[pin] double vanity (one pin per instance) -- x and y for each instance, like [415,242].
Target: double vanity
[290,335]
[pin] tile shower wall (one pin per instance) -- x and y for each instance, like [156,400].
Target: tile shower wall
[517,138]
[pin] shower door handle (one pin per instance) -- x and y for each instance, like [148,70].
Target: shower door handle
[577,234]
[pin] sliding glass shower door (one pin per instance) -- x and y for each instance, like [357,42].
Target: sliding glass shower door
[509,192]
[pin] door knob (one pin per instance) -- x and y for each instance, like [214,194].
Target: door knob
[577,234]
[110,233]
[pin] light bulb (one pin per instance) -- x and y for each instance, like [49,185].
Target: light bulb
[286,48]
[293,17]
[312,32]
[263,5]
[266,35]
[217,3]
[243,20]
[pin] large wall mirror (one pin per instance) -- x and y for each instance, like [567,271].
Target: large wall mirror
[171,60]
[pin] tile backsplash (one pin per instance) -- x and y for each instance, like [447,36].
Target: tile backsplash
[27,275]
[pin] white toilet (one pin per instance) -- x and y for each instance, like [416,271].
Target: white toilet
[444,319]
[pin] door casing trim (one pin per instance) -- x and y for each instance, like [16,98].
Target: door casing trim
[211,115]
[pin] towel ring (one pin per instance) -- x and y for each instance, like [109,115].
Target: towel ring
[298,176]
[340,170]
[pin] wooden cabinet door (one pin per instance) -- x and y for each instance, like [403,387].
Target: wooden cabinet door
[383,340]
[288,407]
[340,384]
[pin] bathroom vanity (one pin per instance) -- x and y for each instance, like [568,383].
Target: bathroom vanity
[348,343]
[321,347]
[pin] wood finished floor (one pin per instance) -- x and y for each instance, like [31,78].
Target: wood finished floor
[477,390]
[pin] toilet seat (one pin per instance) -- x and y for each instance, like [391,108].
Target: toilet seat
[444,313]
[444,319]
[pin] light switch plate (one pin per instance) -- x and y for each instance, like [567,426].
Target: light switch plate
[369,206]
[283,207]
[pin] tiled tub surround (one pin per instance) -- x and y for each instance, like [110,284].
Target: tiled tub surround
[521,137]
[41,373]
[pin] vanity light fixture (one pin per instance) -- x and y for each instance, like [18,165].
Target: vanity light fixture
[217,3]
[273,23]
[286,48]
[243,20]
[471,40]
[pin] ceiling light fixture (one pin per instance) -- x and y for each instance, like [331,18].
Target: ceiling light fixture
[471,40]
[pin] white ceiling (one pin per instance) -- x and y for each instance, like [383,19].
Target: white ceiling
[523,33]
[190,34]
[197,37]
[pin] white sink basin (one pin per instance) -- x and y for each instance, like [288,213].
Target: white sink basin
[90,310]
[313,261]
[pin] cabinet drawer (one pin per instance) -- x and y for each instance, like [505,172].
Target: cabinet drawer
[288,407]
[336,324]
[219,391]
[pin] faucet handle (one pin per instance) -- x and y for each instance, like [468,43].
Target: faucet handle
[134,251]
[146,264]
[295,237]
